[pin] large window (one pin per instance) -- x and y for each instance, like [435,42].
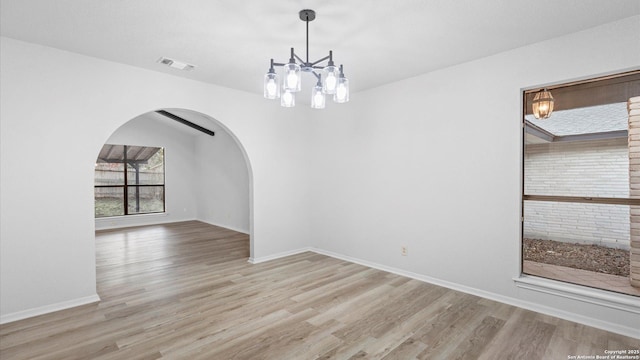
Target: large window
[129,180]
[581,194]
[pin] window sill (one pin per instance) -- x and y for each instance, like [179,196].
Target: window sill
[132,216]
[608,299]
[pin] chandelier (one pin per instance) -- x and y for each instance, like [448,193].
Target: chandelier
[335,83]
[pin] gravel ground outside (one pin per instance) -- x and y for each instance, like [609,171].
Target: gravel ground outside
[578,256]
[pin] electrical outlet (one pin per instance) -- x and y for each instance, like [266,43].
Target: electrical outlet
[403,250]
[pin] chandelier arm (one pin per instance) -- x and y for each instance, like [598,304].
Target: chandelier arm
[321,60]
[318,76]
[278,64]
[299,59]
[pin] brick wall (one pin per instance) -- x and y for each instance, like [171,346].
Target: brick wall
[597,168]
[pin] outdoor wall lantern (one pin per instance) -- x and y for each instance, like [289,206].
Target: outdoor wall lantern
[542,104]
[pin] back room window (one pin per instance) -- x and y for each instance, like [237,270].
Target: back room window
[129,180]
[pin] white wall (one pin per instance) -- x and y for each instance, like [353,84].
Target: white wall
[57,110]
[180,170]
[583,168]
[222,182]
[434,162]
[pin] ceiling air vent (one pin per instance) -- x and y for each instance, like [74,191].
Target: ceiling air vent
[176,64]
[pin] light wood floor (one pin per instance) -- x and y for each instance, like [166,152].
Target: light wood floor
[186,291]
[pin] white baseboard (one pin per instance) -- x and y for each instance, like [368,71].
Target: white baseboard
[243,231]
[129,221]
[157,221]
[20,315]
[253,260]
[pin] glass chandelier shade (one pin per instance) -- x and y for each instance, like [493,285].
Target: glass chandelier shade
[271,85]
[542,105]
[291,80]
[330,80]
[317,97]
[288,99]
[342,89]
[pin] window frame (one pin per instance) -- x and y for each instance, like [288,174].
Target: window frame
[552,285]
[125,186]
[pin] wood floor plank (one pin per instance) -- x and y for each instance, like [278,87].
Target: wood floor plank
[347,350]
[408,349]
[473,346]
[186,291]
[524,336]
[451,338]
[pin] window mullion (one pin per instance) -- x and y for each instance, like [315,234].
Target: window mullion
[126,183]
[583,199]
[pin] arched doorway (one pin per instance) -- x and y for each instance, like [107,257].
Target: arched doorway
[207,174]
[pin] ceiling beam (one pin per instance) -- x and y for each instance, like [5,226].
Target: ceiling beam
[185,122]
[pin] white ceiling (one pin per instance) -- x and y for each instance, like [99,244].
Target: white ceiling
[231,41]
